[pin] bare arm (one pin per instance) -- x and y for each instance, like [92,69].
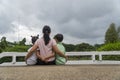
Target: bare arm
[49,56]
[55,48]
[39,56]
[31,51]
[44,58]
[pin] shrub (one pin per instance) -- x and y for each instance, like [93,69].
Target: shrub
[0,50]
[110,47]
[17,48]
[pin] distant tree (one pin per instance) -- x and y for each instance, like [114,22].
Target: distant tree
[118,31]
[98,46]
[69,47]
[0,50]
[3,43]
[111,35]
[23,41]
[84,47]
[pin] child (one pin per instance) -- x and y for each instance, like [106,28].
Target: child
[32,60]
[59,60]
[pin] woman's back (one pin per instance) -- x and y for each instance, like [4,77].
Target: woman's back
[45,45]
[46,50]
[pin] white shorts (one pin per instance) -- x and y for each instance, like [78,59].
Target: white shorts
[32,60]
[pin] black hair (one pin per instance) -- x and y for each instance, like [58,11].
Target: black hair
[46,31]
[59,37]
[34,38]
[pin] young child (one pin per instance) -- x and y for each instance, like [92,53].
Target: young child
[32,60]
[59,60]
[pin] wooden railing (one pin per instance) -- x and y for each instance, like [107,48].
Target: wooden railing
[96,58]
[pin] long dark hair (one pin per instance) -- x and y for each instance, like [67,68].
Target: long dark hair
[46,31]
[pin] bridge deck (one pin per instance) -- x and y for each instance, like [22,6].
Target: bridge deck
[76,72]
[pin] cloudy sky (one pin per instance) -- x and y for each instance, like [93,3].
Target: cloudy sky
[78,20]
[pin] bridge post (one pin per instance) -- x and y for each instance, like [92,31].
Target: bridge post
[93,57]
[100,57]
[14,59]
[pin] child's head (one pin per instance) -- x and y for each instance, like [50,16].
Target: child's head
[58,37]
[34,38]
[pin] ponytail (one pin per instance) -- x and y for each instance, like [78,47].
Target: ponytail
[46,32]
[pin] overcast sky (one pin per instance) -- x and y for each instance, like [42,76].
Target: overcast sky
[78,20]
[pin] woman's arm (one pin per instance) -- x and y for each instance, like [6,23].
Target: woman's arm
[39,56]
[34,47]
[57,51]
[49,56]
[44,58]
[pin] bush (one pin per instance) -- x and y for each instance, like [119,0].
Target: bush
[5,59]
[0,50]
[110,47]
[17,48]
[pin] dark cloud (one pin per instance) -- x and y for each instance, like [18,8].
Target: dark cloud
[5,25]
[83,20]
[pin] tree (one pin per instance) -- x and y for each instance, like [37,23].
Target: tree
[0,50]
[118,31]
[69,47]
[84,47]
[98,46]
[111,35]
[3,43]
[23,41]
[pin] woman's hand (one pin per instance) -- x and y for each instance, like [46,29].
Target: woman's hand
[40,57]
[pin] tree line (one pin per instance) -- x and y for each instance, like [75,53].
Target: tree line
[111,42]
[13,46]
[112,35]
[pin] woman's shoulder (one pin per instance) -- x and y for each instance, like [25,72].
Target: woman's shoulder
[40,39]
[53,41]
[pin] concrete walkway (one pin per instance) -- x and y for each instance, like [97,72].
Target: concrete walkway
[77,72]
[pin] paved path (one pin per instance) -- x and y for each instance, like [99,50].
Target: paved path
[81,72]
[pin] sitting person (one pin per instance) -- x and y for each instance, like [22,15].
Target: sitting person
[32,60]
[47,47]
[60,60]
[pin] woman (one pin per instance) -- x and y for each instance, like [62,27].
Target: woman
[47,47]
